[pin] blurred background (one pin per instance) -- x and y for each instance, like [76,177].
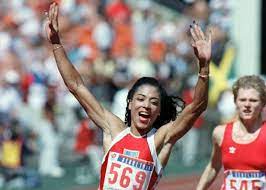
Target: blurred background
[46,140]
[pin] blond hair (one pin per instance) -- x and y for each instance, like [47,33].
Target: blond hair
[250,81]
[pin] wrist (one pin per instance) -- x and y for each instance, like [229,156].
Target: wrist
[204,70]
[57,46]
[204,76]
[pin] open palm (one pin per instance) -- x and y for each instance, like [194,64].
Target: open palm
[52,30]
[201,44]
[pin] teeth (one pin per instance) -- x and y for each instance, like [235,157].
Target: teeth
[143,113]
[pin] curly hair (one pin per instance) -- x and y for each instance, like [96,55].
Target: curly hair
[171,106]
[250,81]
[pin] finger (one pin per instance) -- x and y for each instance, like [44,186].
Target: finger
[49,24]
[196,30]
[50,12]
[47,30]
[56,16]
[192,42]
[193,34]
[200,33]
[56,11]
[209,36]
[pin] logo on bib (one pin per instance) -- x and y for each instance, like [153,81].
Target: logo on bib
[232,149]
[131,153]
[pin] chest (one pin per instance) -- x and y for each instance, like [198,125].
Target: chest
[133,147]
[251,156]
[129,164]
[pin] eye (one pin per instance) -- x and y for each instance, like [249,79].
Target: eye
[242,99]
[140,99]
[156,103]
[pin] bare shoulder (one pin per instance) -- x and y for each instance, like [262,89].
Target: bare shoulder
[218,134]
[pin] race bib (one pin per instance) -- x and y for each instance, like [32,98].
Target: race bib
[245,180]
[127,173]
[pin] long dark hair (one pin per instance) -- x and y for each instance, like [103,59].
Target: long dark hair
[171,106]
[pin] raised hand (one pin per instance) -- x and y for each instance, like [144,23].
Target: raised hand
[52,30]
[201,44]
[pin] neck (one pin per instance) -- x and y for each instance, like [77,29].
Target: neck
[250,126]
[138,132]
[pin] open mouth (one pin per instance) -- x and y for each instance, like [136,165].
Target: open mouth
[144,114]
[144,117]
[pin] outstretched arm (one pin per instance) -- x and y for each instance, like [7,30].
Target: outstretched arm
[171,132]
[214,165]
[102,118]
[202,49]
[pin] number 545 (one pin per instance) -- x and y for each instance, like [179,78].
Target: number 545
[244,185]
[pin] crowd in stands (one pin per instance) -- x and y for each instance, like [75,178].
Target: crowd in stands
[111,43]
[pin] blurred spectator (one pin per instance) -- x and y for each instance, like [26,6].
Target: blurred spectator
[49,139]
[9,93]
[15,147]
[102,34]
[137,67]
[190,142]
[111,42]
[88,148]
[12,147]
[118,11]
[226,106]
[143,21]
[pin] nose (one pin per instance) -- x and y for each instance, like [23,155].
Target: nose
[147,104]
[247,104]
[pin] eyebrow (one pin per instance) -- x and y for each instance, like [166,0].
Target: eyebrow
[145,96]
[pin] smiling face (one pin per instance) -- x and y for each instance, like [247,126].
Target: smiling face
[145,108]
[248,104]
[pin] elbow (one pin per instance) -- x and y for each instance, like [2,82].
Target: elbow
[201,109]
[204,106]
[72,86]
